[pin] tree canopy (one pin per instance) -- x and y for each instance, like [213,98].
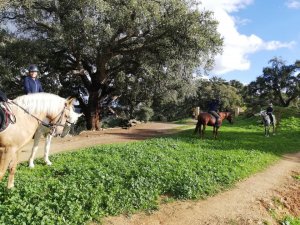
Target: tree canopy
[112,39]
[279,83]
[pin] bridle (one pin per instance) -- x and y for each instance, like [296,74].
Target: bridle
[50,125]
[53,126]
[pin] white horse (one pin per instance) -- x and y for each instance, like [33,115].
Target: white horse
[30,111]
[267,123]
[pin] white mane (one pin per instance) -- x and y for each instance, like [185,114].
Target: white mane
[41,103]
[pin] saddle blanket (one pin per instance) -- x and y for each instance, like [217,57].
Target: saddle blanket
[6,116]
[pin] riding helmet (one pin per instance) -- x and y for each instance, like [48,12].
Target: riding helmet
[33,68]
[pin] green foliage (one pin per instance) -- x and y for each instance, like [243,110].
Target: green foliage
[112,179]
[279,84]
[290,123]
[290,221]
[144,113]
[286,112]
[216,88]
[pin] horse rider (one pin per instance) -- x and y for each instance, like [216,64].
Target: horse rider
[31,82]
[213,109]
[269,111]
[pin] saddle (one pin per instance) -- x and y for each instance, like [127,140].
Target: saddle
[6,115]
[215,117]
[212,115]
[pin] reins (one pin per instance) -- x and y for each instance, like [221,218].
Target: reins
[49,125]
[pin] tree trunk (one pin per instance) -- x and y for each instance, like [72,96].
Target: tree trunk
[92,119]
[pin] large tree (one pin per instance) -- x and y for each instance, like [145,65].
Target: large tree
[279,83]
[109,39]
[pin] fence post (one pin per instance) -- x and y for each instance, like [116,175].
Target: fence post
[237,111]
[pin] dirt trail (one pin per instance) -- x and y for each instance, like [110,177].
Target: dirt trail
[244,204]
[247,203]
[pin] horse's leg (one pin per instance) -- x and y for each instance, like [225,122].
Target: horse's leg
[273,126]
[196,128]
[35,147]
[267,131]
[12,170]
[47,148]
[216,132]
[5,158]
[202,132]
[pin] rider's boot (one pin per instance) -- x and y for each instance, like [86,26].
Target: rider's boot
[217,124]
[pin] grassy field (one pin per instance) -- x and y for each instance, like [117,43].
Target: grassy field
[106,180]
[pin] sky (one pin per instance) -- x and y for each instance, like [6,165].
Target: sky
[254,32]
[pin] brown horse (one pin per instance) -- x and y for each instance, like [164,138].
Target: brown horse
[206,119]
[30,111]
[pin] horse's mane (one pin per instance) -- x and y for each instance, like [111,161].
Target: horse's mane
[41,102]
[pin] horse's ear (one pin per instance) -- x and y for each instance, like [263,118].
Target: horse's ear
[69,101]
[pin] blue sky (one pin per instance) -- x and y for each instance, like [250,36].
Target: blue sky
[254,32]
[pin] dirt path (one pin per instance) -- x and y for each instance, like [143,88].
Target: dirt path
[247,203]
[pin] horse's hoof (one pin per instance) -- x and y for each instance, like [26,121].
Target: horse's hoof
[31,166]
[48,163]
[10,186]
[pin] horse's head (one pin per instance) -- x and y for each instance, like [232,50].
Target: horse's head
[68,117]
[266,118]
[263,114]
[229,117]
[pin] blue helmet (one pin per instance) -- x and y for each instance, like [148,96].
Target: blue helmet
[33,68]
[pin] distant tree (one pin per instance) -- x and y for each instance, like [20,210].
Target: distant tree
[10,81]
[114,40]
[218,88]
[279,83]
[238,85]
[173,97]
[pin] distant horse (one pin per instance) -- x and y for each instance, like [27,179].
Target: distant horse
[206,119]
[267,123]
[30,111]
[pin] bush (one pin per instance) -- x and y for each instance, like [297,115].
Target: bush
[145,113]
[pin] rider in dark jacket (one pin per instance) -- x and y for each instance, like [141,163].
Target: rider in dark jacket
[213,108]
[31,82]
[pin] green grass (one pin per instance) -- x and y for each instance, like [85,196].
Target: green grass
[124,178]
[290,221]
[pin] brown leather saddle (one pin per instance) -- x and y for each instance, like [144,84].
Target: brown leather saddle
[6,115]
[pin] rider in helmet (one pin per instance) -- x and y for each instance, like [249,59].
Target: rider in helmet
[213,109]
[270,112]
[31,82]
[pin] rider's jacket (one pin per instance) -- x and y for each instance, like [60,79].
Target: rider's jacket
[32,85]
